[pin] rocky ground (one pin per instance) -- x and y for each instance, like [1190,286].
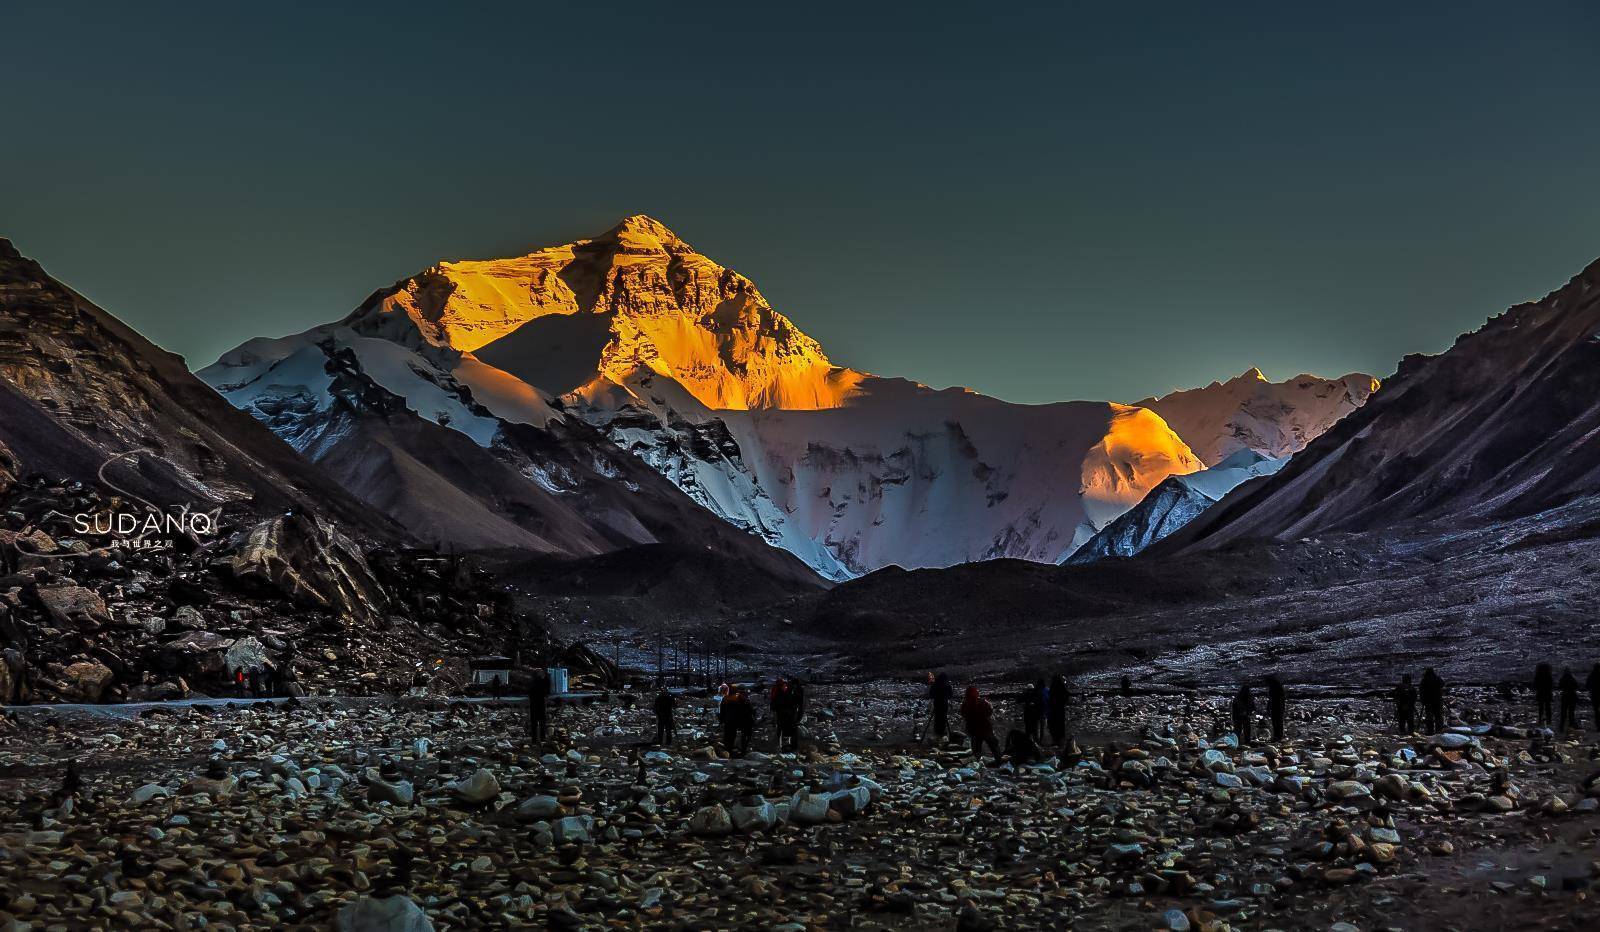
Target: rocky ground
[90,617]
[1482,605]
[313,813]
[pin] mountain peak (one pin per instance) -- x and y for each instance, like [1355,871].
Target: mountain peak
[640,231]
[1251,374]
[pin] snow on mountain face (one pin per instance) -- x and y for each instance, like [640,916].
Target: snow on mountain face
[1173,504]
[1248,412]
[684,364]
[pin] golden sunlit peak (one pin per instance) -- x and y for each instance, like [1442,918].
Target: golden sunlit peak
[640,229]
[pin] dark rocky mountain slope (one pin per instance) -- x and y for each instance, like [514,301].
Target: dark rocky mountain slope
[1504,425]
[78,386]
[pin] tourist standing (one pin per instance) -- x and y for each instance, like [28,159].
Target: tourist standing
[1055,703]
[1432,701]
[1277,705]
[1244,713]
[538,697]
[978,714]
[1405,705]
[1544,692]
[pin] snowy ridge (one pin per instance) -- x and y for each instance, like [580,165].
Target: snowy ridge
[1173,504]
[1248,412]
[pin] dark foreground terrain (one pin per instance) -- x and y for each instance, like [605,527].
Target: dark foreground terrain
[1483,605]
[317,810]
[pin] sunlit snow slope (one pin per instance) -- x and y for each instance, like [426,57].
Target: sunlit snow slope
[1248,412]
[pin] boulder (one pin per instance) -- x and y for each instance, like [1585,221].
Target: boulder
[572,829]
[481,787]
[75,606]
[12,667]
[398,792]
[1391,786]
[1347,789]
[146,793]
[385,914]
[757,818]
[84,681]
[850,801]
[246,654]
[197,652]
[214,787]
[309,562]
[539,808]
[711,820]
[808,808]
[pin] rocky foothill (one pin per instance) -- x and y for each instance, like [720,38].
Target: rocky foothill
[415,814]
[91,618]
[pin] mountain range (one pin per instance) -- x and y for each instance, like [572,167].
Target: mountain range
[1449,522]
[621,416]
[682,364]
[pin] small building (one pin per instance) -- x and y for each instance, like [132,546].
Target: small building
[485,670]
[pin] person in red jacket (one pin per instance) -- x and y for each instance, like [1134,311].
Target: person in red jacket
[978,713]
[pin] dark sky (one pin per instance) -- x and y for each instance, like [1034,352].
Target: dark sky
[1084,202]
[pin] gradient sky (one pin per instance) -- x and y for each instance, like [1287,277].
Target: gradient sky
[1085,202]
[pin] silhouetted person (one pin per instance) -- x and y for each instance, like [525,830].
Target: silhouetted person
[1569,701]
[797,694]
[1033,711]
[538,698]
[1244,713]
[1277,700]
[666,731]
[738,721]
[1544,692]
[1055,708]
[1021,748]
[1432,701]
[784,714]
[1593,685]
[939,696]
[495,686]
[1405,705]
[978,714]
[71,783]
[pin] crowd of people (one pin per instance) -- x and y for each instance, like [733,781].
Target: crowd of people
[736,713]
[1043,709]
[1044,706]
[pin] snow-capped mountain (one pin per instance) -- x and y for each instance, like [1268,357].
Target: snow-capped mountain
[684,364]
[467,457]
[1248,412]
[1173,504]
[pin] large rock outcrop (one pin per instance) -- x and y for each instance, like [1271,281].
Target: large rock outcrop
[312,564]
